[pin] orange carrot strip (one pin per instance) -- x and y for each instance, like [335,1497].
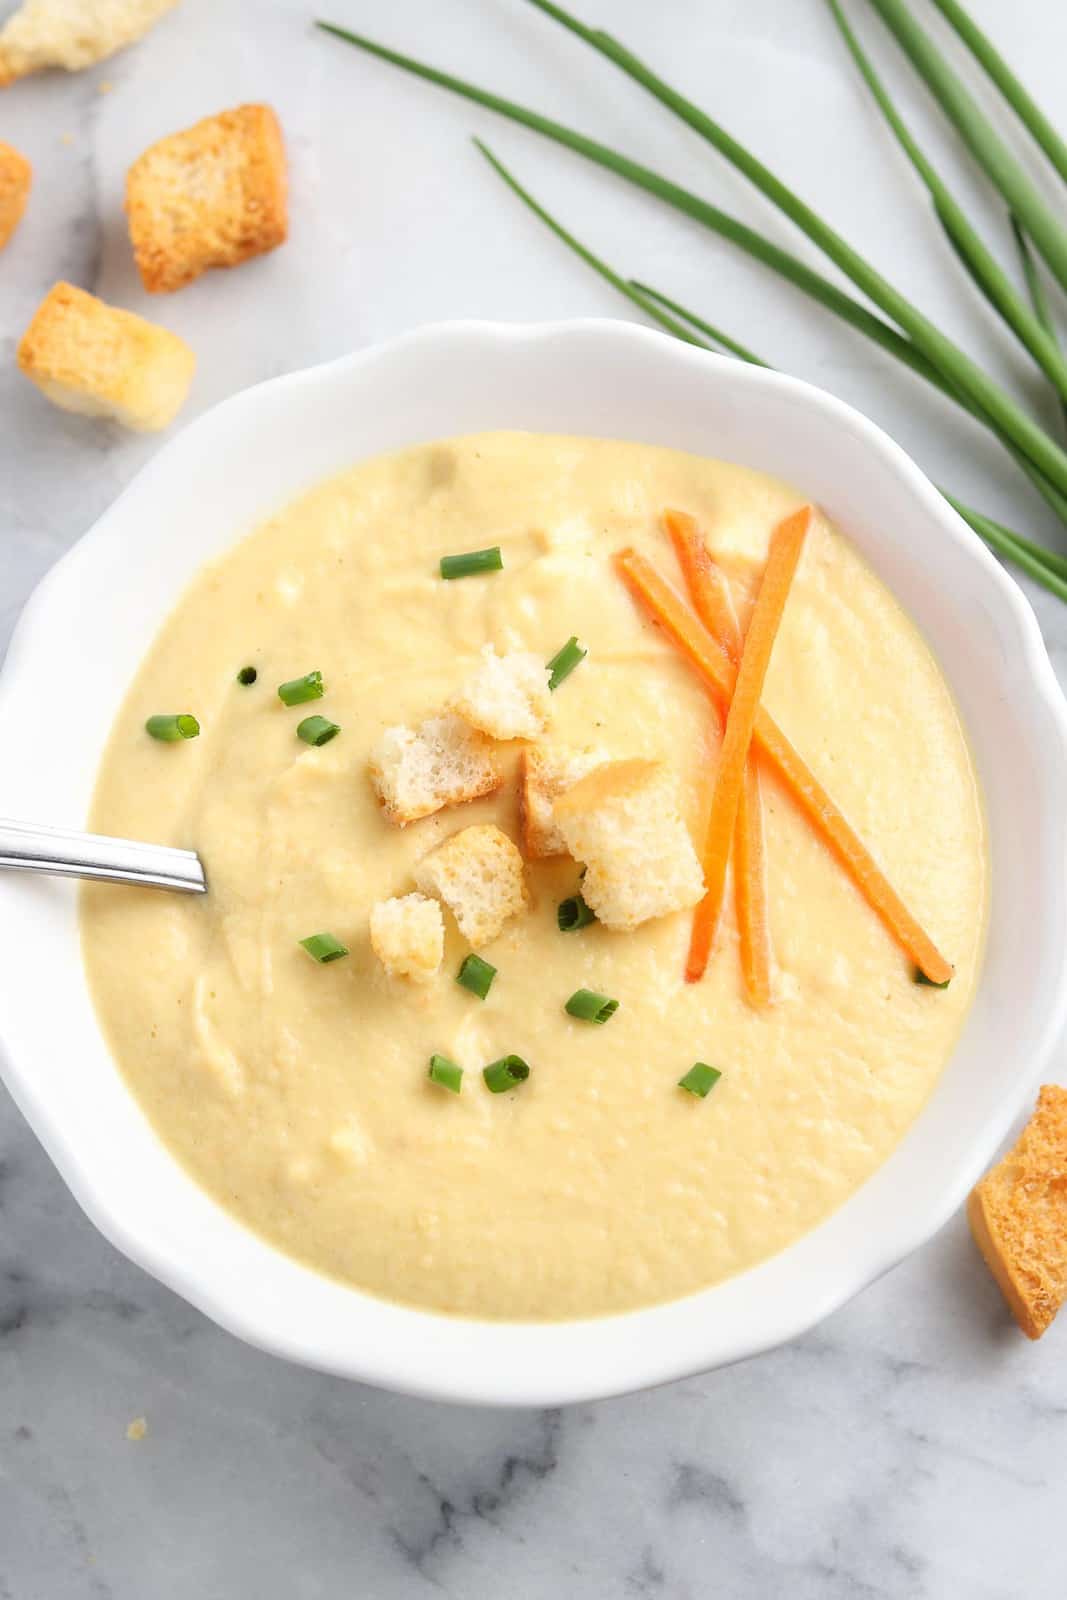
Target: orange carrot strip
[709,590]
[709,657]
[750,890]
[708,587]
[787,541]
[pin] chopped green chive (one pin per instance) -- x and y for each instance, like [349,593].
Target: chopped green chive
[446,1073]
[564,661]
[323,947]
[590,1007]
[476,975]
[700,1079]
[472,563]
[573,913]
[920,977]
[299,690]
[505,1074]
[317,730]
[247,675]
[170,729]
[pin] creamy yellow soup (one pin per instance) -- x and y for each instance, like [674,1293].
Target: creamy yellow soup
[298,1095]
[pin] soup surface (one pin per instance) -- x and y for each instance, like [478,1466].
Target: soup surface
[297,1093]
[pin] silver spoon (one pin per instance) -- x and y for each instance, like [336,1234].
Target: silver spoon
[64,853]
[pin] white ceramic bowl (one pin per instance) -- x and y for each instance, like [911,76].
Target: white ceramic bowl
[86,628]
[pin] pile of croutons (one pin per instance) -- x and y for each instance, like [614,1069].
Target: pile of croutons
[213,195]
[618,819]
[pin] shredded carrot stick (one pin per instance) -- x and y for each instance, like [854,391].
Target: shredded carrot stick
[787,541]
[709,590]
[709,657]
[708,586]
[750,890]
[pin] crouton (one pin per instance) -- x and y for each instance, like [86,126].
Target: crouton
[213,195]
[545,773]
[71,33]
[478,875]
[1018,1216]
[92,358]
[407,935]
[506,696]
[442,762]
[622,821]
[16,175]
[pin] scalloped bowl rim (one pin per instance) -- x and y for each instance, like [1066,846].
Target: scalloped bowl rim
[563,377]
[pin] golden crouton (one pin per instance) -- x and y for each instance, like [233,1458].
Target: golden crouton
[545,773]
[622,821]
[407,935]
[92,358]
[71,33]
[506,696]
[442,762]
[16,174]
[478,875]
[1018,1215]
[211,196]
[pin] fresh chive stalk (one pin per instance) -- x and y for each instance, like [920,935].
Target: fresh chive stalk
[1017,96]
[298,691]
[1045,566]
[982,266]
[505,1074]
[472,563]
[564,661]
[985,144]
[170,729]
[1005,418]
[323,947]
[317,730]
[920,977]
[476,975]
[446,1073]
[573,913]
[1035,288]
[247,675]
[588,1006]
[953,362]
[700,1079]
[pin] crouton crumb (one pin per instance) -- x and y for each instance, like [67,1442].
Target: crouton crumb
[1018,1216]
[478,874]
[407,935]
[506,696]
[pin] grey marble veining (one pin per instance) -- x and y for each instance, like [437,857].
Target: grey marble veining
[912,1448]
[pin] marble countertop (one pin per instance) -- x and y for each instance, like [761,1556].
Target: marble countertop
[914,1445]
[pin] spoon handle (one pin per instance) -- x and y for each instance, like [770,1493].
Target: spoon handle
[65,853]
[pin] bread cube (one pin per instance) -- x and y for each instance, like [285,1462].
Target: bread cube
[212,196]
[71,33]
[16,175]
[506,696]
[442,762]
[94,359]
[545,773]
[478,874]
[1018,1216]
[407,935]
[622,821]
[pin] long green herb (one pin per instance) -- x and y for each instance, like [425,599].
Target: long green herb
[1022,103]
[983,267]
[954,363]
[985,144]
[1044,566]
[1035,288]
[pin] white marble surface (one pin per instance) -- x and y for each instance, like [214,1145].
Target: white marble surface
[914,1446]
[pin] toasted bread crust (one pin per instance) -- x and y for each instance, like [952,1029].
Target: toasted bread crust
[1018,1216]
[92,358]
[16,175]
[214,195]
[478,874]
[53,33]
[443,762]
[545,774]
